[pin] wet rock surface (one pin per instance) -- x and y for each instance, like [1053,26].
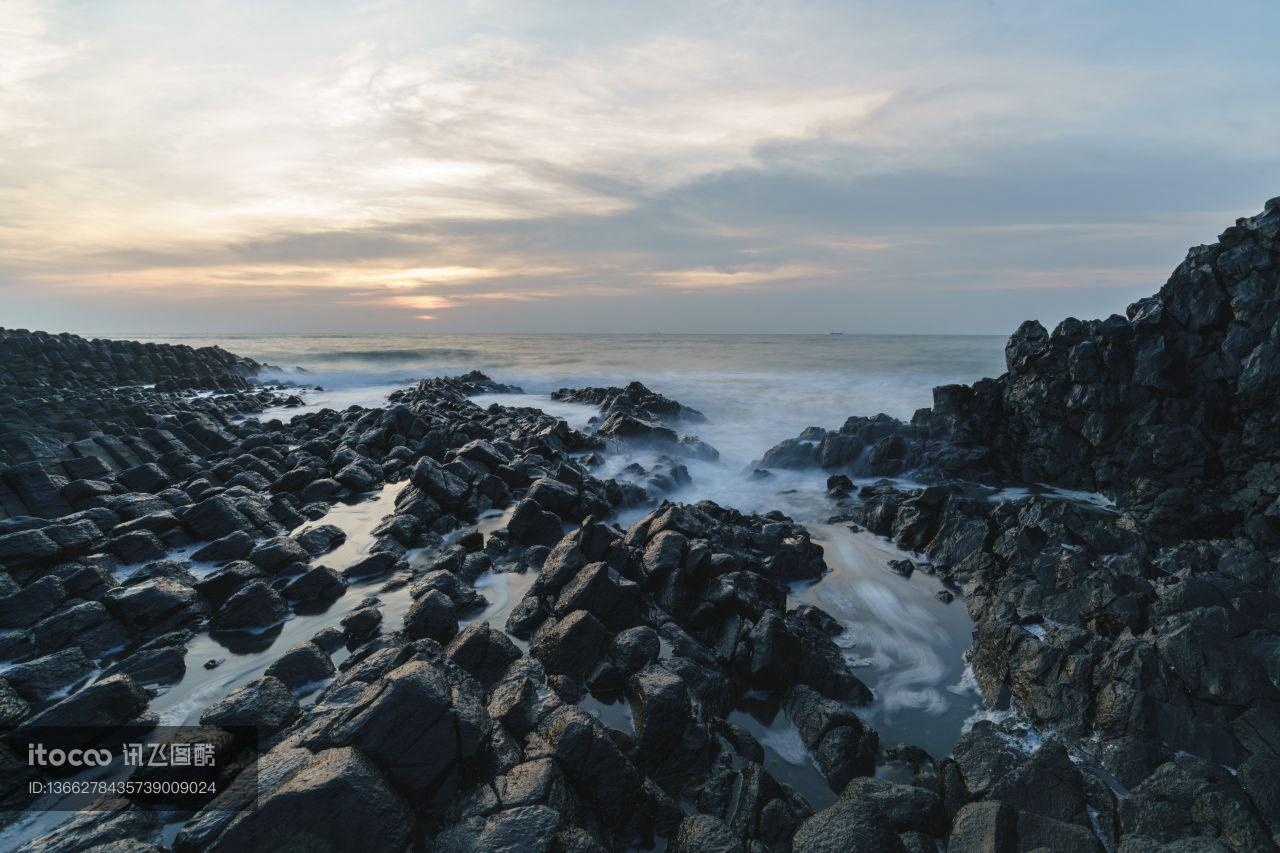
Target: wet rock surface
[1129,646]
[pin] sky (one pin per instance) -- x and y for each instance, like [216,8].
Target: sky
[320,166]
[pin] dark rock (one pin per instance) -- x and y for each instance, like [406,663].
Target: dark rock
[531,525]
[841,743]
[414,726]
[87,625]
[26,547]
[987,826]
[321,539]
[635,648]
[521,828]
[303,666]
[443,487]
[338,800]
[373,566]
[105,704]
[615,601]
[155,606]
[700,833]
[161,661]
[362,622]
[483,652]
[573,645]
[217,587]
[847,825]
[138,546]
[253,606]
[32,603]
[907,808]
[264,703]
[13,708]
[317,584]
[274,554]
[40,680]
[431,616]
[233,546]
[1187,798]
[214,518]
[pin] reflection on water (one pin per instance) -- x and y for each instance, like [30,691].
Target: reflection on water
[245,656]
[909,645]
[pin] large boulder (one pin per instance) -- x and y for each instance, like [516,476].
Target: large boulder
[253,606]
[32,602]
[431,616]
[842,744]
[42,679]
[848,825]
[484,653]
[339,800]
[302,667]
[154,606]
[987,826]
[88,713]
[573,645]
[420,729]
[443,486]
[264,703]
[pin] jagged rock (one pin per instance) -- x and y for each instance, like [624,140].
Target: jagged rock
[362,622]
[417,728]
[321,539]
[573,645]
[1187,798]
[598,589]
[155,606]
[103,705]
[234,546]
[160,661]
[483,652]
[849,824]
[251,607]
[338,800]
[87,625]
[264,703]
[671,746]
[26,547]
[13,708]
[216,587]
[841,743]
[303,666]
[635,648]
[41,679]
[317,584]
[906,808]
[986,826]
[700,833]
[432,616]
[32,602]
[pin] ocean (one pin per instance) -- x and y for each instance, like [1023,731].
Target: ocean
[905,642]
[755,389]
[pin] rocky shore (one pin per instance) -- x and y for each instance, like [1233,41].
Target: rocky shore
[1131,645]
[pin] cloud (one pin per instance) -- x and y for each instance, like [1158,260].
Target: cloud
[396,161]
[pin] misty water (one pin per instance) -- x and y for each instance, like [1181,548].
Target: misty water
[905,643]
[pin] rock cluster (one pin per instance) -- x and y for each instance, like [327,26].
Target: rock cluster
[635,400]
[1144,634]
[34,360]
[1168,410]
